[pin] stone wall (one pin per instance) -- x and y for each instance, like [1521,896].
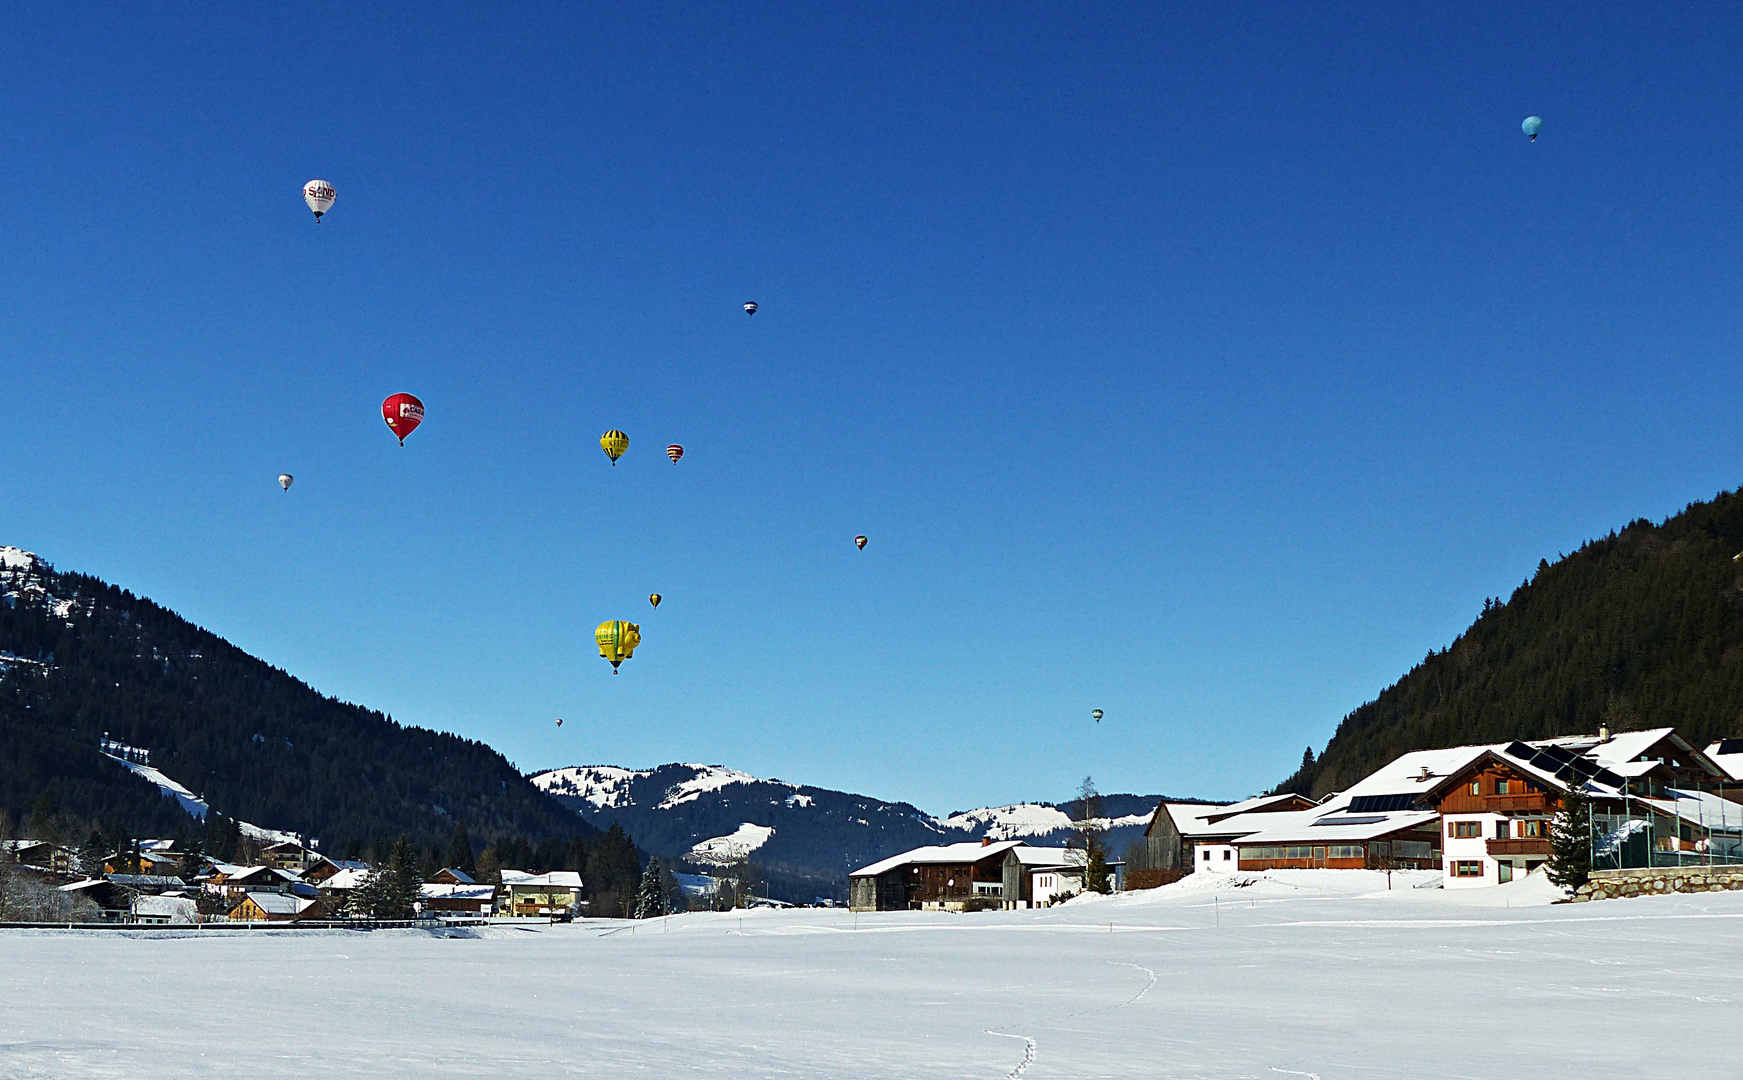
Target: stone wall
[1610,884]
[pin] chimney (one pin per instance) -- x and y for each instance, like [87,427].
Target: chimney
[1425,773]
[1603,732]
[986,841]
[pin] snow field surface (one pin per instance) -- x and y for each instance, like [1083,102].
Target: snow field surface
[1294,973]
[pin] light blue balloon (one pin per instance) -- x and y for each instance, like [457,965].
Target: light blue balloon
[1532,125]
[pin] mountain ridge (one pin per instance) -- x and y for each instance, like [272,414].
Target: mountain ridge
[1640,628]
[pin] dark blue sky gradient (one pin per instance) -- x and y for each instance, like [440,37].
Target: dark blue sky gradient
[1207,366]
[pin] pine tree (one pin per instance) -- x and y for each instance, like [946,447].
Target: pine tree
[404,883]
[192,862]
[460,849]
[650,898]
[1570,842]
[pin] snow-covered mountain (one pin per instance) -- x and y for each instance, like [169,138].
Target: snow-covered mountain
[806,838]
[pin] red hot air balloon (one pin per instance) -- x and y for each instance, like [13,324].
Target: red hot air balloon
[859,542]
[403,414]
[674,452]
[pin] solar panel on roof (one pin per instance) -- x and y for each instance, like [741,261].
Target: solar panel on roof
[1731,746]
[1559,754]
[1340,819]
[1367,804]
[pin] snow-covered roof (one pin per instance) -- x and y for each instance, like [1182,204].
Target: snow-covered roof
[1727,754]
[556,879]
[458,892]
[349,878]
[280,903]
[1310,827]
[459,875]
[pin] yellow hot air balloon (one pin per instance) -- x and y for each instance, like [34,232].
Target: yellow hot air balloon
[614,443]
[617,640]
[655,598]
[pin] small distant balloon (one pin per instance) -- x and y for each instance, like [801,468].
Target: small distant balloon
[1531,126]
[859,542]
[614,443]
[285,480]
[674,452]
[750,307]
[655,598]
[1097,714]
[319,195]
[403,414]
[559,721]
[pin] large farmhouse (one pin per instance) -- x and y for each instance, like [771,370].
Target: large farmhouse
[998,873]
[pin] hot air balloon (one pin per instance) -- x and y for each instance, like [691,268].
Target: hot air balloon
[674,452]
[1097,714]
[617,640]
[319,195]
[859,542]
[614,443]
[1531,126]
[750,307]
[655,598]
[403,414]
[559,721]
[285,480]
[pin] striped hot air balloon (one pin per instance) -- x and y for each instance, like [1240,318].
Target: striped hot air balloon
[750,307]
[614,443]
[674,452]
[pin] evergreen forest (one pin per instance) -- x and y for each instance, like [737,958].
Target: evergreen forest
[80,659]
[1642,628]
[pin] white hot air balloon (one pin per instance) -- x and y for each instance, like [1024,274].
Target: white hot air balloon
[319,195]
[285,480]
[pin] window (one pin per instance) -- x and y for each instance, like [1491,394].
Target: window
[1207,856]
[1467,828]
[1531,828]
[1500,830]
[1346,851]
[1476,787]
[1502,786]
[1413,849]
[1468,868]
[1226,854]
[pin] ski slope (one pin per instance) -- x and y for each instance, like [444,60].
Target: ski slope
[1296,974]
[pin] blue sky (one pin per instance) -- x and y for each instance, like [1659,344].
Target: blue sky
[1204,365]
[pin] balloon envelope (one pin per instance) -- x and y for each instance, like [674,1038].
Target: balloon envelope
[617,640]
[655,598]
[674,452]
[1531,126]
[1097,715]
[319,195]
[403,414]
[559,721]
[285,480]
[859,542]
[614,443]
[750,307]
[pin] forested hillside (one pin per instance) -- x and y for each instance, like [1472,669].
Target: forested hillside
[1642,628]
[79,657]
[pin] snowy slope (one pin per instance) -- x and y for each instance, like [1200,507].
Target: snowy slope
[724,850]
[196,806]
[1297,975]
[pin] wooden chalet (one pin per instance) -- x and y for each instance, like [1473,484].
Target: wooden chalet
[277,907]
[557,893]
[43,855]
[1197,836]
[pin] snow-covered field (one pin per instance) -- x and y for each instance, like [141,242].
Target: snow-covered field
[1298,974]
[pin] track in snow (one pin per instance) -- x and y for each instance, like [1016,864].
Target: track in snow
[1028,1053]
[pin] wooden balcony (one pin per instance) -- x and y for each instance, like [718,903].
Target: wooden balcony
[1520,845]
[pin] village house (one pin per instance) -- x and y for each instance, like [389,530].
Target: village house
[43,855]
[954,876]
[233,881]
[289,855]
[323,869]
[454,892]
[277,907]
[525,895]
